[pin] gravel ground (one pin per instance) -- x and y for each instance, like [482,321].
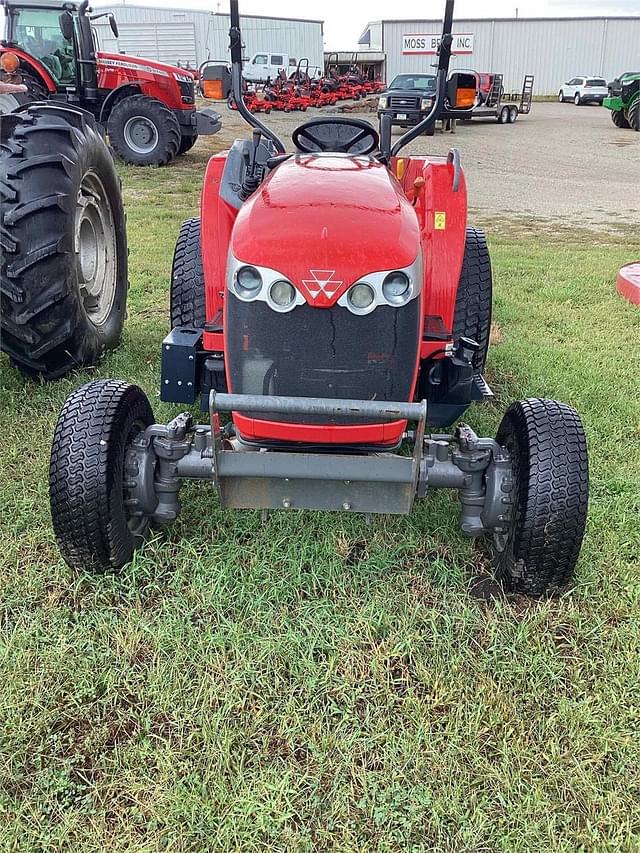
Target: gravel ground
[561,162]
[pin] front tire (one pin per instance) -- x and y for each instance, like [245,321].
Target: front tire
[63,272]
[537,550]
[619,119]
[143,132]
[472,317]
[187,142]
[561,96]
[187,301]
[94,526]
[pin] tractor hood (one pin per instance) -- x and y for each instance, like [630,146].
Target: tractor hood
[142,65]
[326,220]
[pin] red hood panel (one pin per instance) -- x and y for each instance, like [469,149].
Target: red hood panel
[330,219]
[150,65]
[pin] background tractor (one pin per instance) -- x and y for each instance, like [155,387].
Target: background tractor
[624,100]
[374,313]
[147,107]
[63,265]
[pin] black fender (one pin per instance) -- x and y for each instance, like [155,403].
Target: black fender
[124,91]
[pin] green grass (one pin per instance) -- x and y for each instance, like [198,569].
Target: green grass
[309,682]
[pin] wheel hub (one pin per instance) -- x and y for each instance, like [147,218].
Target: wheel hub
[95,249]
[141,135]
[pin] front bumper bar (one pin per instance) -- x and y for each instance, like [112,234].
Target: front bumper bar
[208,121]
[249,477]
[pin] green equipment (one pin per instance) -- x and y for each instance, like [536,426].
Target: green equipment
[624,100]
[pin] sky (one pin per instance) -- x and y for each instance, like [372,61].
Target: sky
[344,21]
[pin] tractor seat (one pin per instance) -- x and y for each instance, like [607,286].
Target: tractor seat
[53,65]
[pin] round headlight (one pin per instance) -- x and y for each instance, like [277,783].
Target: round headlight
[248,282]
[395,288]
[361,296]
[282,294]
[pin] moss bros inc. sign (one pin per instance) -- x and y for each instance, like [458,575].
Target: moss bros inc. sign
[426,43]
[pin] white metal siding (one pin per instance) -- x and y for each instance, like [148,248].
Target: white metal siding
[211,33]
[552,50]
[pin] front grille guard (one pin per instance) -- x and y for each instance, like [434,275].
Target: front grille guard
[292,479]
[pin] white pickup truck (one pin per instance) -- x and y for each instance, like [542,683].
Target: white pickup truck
[265,66]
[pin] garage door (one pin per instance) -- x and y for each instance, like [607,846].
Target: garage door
[164,42]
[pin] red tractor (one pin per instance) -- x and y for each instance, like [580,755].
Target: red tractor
[326,299]
[147,107]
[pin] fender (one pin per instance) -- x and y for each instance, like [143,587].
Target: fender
[123,91]
[33,65]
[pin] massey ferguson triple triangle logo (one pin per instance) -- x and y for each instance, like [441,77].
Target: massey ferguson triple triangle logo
[322,282]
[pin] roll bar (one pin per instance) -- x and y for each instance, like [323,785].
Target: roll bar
[235,47]
[444,56]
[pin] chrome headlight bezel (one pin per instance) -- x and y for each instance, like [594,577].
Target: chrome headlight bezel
[263,294]
[375,280]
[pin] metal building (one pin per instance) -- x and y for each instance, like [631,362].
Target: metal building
[553,49]
[191,36]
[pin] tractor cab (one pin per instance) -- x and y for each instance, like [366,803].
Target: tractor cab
[55,46]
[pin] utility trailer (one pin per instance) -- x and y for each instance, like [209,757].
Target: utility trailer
[492,101]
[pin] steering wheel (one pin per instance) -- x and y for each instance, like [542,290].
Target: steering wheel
[340,135]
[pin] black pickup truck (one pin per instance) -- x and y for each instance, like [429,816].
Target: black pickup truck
[408,99]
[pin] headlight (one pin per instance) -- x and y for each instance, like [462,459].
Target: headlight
[247,282]
[282,295]
[361,296]
[426,104]
[395,288]
[383,103]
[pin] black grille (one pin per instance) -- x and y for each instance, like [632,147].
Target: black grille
[322,352]
[187,91]
[399,102]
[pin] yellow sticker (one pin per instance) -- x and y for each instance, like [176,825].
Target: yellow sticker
[400,166]
[440,220]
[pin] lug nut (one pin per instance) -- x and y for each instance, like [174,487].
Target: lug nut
[346,506]
[286,503]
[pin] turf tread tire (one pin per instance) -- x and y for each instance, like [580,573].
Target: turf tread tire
[86,474]
[169,134]
[472,316]
[187,299]
[550,496]
[45,151]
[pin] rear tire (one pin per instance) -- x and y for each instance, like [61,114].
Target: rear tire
[143,132]
[187,299]
[503,115]
[537,551]
[63,272]
[577,100]
[633,115]
[95,530]
[619,119]
[472,317]
[513,114]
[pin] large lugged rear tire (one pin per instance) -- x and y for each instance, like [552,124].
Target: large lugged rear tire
[619,119]
[143,131]
[633,115]
[537,551]
[187,278]
[472,317]
[95,530]
[63,272]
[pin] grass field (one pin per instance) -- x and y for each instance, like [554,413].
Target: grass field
[309,682]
